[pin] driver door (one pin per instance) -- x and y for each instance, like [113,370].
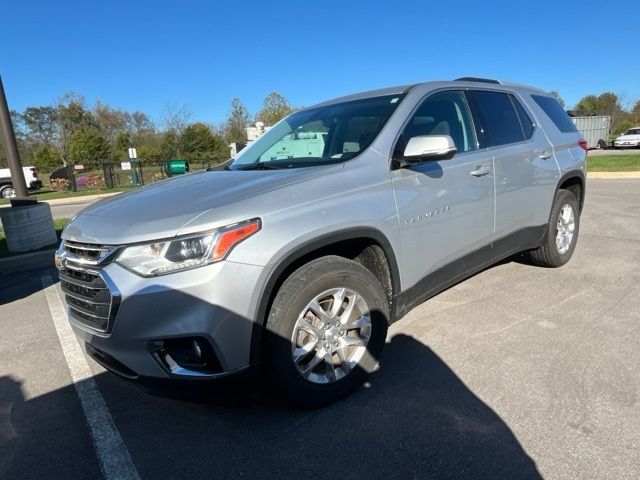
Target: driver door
[446,207]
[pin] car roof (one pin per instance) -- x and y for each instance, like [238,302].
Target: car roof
[464,82]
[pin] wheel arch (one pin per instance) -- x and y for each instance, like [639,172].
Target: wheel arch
[343,243]
[574,181]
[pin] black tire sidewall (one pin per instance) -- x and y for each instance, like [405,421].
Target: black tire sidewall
[294,295]
[563,197]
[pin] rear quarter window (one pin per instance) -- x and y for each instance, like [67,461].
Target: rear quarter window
[556,113]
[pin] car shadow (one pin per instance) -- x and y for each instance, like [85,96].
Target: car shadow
[20,285]
[414,419]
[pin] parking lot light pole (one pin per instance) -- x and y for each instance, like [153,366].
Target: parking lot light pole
[11,147]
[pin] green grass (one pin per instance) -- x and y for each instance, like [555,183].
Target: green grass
[52,194]
[58,224]
[614,163]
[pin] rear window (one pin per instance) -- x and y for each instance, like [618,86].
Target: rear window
[498,116]
[556,113]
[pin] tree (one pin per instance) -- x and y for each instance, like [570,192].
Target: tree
[558,97]
[88,146]
[150,152]
[199,142]
[71,115]
[111,121]
[235,128]
[45,158]
[636,111]
[623,127]
[120,146]
[141,124]
[587,105]
[169,145]
[175,119]
[607,103]
[40,123]
[274,108]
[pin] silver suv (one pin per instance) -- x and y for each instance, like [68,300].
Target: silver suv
[333,224]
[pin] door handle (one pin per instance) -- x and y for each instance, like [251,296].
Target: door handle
[480,171]
[545,155]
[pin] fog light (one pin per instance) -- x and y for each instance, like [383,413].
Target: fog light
[186,355]
[197,350]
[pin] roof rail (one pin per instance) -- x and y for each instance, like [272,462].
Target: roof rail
[478,79]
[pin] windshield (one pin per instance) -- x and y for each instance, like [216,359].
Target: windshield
[633,131]
[319,136]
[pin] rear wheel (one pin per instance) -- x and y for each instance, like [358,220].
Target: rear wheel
[562,232]
[7,191]
[325,331]
[602,144]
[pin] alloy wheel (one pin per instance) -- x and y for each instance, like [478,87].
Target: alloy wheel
[566,227]
[331,335]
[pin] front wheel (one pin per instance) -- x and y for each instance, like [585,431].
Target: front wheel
[562,232]
[325,331]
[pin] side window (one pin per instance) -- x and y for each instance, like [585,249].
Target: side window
[556,113]
[443,113]
[501,125]
[525,120]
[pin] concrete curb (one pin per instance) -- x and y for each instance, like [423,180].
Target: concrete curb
[28,261]
[80,199]
[612,175]
[76,200]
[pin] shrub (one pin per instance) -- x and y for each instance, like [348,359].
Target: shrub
[90,181]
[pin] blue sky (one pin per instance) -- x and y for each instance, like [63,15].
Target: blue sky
[145,54]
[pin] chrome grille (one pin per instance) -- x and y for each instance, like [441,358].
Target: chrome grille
[91,298]
[89,253]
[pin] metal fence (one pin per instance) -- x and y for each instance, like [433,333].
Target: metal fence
[108,175]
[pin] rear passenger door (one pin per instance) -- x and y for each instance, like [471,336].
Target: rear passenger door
[525,170]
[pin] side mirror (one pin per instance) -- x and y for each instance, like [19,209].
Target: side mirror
[424,148]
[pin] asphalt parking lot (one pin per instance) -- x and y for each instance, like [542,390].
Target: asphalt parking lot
[518,372]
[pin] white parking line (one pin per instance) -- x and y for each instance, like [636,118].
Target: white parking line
[113,456]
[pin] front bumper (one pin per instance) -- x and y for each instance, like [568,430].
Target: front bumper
[625,144]
[215,303]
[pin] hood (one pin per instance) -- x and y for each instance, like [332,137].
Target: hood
[161,209]
[633,137]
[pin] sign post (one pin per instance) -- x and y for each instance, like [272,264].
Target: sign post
[133,156]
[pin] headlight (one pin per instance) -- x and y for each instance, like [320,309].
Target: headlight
[181,253]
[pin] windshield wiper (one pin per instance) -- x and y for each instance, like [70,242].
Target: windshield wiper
[262,166]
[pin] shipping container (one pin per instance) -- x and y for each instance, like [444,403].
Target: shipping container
[594,129]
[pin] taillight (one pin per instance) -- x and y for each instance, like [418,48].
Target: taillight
[34,170]
[584,145]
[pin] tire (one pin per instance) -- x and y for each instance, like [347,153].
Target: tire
[7,191]
[602,145]
[550,254]
[331,276]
